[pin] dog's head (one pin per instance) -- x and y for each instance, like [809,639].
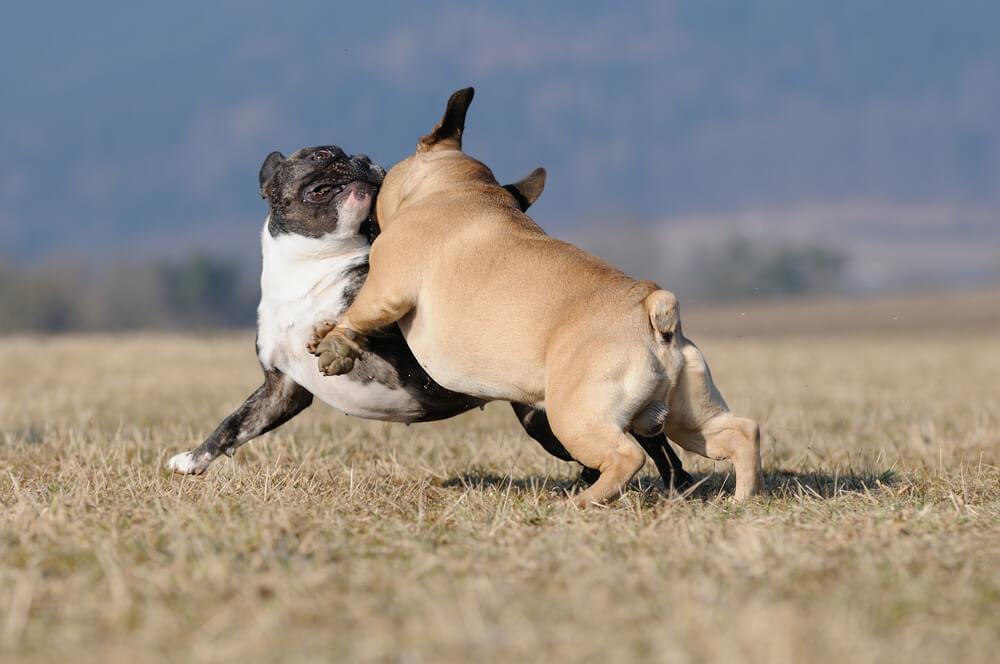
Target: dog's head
[319,192]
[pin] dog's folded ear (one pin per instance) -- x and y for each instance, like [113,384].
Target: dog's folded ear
[527,190]
[447,135]
[267,170]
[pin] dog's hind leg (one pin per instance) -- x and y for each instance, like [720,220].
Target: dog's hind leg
[667,462]
[604,447]
[536,425]
[701,422]
[727,436]
[669,465]
[275,402]
[584,420]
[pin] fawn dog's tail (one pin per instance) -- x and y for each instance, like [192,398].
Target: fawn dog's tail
[661,305]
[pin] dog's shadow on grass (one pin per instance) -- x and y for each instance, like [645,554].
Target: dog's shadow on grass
[504,483]
[779,483]
[826,485]
[705,487]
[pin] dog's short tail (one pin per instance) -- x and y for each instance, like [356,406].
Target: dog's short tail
[661,305]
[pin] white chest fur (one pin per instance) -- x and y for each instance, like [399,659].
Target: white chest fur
[306,280]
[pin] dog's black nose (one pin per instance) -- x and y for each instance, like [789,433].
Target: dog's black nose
[372,172]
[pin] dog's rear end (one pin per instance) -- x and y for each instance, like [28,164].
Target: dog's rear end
[697,417]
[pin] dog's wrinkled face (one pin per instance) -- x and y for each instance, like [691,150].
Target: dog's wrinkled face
[320,191]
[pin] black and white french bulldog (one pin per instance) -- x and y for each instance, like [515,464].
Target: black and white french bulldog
[315,247]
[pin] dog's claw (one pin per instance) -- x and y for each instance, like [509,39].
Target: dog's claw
[319,331]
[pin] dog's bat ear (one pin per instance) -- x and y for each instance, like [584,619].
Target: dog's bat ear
[527,190]
[267,170]
[447,135]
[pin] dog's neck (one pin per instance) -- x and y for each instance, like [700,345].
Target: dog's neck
[427,176]
[301,248]
[294,265]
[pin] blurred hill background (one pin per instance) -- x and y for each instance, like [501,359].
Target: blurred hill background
[724,149]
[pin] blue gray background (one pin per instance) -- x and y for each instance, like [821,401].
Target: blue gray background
[137,128]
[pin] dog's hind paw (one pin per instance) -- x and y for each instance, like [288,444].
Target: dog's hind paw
[185,464]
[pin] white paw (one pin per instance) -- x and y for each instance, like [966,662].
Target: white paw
[185,464]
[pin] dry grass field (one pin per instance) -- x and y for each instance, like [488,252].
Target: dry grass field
[337,539]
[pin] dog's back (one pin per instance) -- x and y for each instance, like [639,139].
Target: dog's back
[487,260]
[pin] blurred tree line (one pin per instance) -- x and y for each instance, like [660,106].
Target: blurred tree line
[201,291]
[722,267]
[741,269]
[196,292]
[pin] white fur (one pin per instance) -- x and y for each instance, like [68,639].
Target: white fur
[302,283]
[185,464]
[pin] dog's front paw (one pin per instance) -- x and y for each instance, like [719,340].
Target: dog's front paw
[337,351]
[320,330]
[185,464]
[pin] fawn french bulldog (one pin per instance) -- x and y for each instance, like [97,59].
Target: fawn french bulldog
[494,308]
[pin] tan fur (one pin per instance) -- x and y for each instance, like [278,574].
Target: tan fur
[492,306]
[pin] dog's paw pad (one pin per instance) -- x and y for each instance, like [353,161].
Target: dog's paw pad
[335,366]
[335,356]
[185,464]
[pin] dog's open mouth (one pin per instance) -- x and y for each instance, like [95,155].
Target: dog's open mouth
[324,191]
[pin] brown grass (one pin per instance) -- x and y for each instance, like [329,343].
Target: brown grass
[339,539]
[952,312]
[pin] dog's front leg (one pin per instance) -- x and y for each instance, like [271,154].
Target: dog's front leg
[275,402]
[382,300]
[667,462]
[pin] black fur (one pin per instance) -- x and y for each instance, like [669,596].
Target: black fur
[267,169]
[272,404]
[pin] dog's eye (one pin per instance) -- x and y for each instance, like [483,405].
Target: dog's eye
[321,155]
